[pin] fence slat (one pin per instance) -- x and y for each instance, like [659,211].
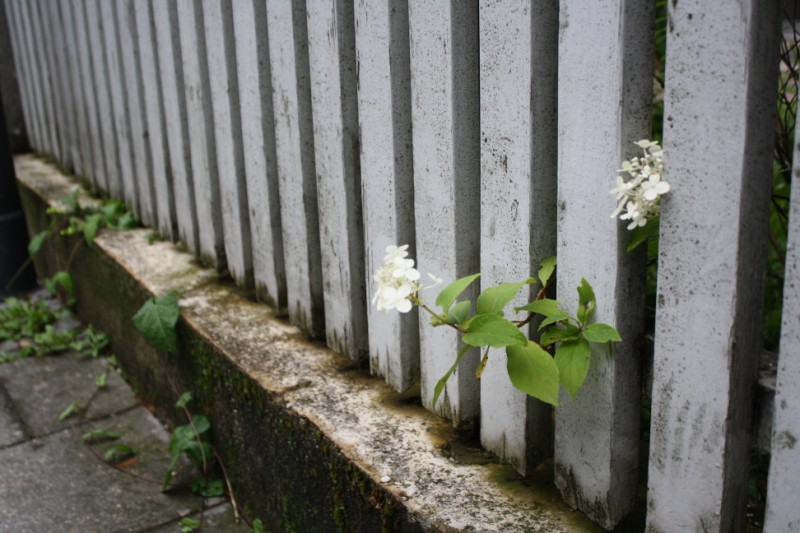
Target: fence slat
[288,49]
[31,29]
[42,38]
[604,105]
[20,53]
[201,132]
[783,491]
[133,89]
[718,131]
[518,199]
[331,42]
[387,180]
[258,138]
[444,95]
[224,95]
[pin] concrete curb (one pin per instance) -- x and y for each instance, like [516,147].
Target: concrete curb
[311,443]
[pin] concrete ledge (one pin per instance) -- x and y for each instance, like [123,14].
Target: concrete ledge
[310,442]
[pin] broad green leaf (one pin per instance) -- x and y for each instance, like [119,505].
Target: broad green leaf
[36,242]
[494,331]
[69,411]
[99,435]
[118,453]
[437,390]
[201,424]
[544,307]
[258,526]
[493,300]
[156,321]
[546,270]
[533,371]
[61,278]
[555,334]
[189,524]
[90,228]
[586,301]
[100,381]
[601,333]
[572,359]
[184,400]
[71,201]
[552,319]
[459,312]
[453,291]
[641,234]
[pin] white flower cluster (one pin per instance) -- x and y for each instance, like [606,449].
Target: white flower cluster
[638,195]
[397,280]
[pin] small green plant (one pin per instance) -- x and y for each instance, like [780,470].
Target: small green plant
[71,410]
[156,321]
[258,526]
[189,524]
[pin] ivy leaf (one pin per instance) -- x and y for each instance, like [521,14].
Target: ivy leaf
[189,524]
[69,411]
[201,424]
[494,299]
[71,201]
[120,452]
[601,333]
[90,228]
[572,359]
[61,278]
[36,242]
[453,291]
[100,381]
[533,371]
[546,269]
[258,526]
[545,307]
[494,331]
[555,334]
[459,313]
[641,234]
[586,301]
[156,321]
[99,435]
[437,390]
[184,400]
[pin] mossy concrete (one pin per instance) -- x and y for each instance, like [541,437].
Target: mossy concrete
[309,440]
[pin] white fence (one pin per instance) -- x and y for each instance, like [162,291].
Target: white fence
[292,141]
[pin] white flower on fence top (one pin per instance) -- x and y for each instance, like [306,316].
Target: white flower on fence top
[398,281]
[638,195]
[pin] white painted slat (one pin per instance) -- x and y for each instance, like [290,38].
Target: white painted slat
[19,51]
[42,41]
[387,180]
[111,181]
[201,132]
[82,156]
[258,139]
[519,51]
[132,87]
[36,45]
[446,136]
[224,95]
[783,490]
[291,99]
[718,130]
[332,66]
[26,31]
[604,105]
[179,168]
[97,167]
[119,104]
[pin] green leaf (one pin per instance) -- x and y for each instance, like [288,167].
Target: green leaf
[69,411]
[99,435]
[184,400]
[36,242]
[459,312]
[156,321]
[572,359]
[533,371]
[544,307]
[208,487]
[189,524]
[552,319]
[493,300]
[201,424]
[100,381]
[493,330]
[437,390]
[555,334]
[71,201]
[601,333]
[453,291]
[641,234]
[90,228]
[586,301]
[120,452]
[61,279]
[258,526]
[546,269]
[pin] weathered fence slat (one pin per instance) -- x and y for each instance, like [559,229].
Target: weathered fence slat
[519,47]
[258,139]
[224,95]
[332,65]
[445,109]
[133,88]
[47,66]
[718,131]
[604,105]
[783,491]
[387,181]
[32,32]
[288,49]
[26,87]
[201,132]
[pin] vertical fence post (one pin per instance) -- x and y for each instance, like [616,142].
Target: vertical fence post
[384,115]
[445,114]
[719,108]
[294,141]
[332,66]
[258,139]
[604,105]
[519,51]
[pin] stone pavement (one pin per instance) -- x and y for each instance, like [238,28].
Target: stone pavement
[51,481]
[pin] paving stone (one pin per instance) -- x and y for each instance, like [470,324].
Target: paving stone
[218,519]
[11,429]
